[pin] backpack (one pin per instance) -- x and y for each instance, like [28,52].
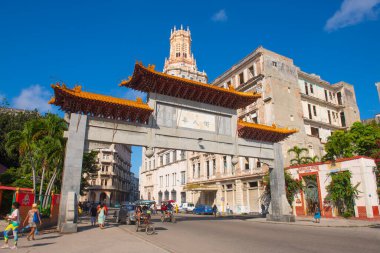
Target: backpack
[35,217]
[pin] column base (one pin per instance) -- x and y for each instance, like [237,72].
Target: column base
[69,227]
[281,218]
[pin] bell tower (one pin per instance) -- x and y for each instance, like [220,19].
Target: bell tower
[181,60]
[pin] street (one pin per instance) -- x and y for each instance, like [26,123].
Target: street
[206,234]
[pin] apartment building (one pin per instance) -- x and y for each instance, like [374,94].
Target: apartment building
[112,182]
[293,98]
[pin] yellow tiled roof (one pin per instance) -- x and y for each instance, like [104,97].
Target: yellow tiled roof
[230,89]
[272,128]
[77,92]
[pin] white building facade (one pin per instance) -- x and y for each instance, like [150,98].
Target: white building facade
[362,171]
[111,184]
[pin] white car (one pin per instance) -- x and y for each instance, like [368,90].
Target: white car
[187,207]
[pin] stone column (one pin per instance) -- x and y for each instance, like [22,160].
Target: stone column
[72,172]
[279,207]
[239,196]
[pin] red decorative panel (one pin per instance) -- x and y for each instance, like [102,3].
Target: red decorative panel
[300,211]
[375,210]
[362,211]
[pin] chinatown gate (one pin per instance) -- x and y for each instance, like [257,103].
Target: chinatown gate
[180,114]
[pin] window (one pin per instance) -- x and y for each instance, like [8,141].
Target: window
[228,84]
[167,158]
[258,164]
[175,155]
[182,154]
[315,132]
[315,110]
[343,119]
[246,163]
[339,97]
[251,72]
[330,95]
[174,178]
[105,182]
[208,169]
[229,187]
[326,98]
[193,170]
[213,166]
[309,108]
[241,78]
[306,89]
[328,113]
[254,117]
[274,64]
[199,170]
[224,164]
[311,89]
[183,177]
[161,160]
[253,184]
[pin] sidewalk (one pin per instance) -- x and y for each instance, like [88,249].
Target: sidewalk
[325,222]
[89,239]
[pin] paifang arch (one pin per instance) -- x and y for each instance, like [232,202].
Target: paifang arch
[180,114]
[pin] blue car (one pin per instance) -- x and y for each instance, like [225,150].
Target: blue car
[202,209]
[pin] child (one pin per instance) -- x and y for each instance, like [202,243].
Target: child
[33,217]
[14,220]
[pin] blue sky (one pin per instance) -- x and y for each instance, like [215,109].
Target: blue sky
[96,43]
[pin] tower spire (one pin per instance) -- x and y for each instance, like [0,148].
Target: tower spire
[181,61]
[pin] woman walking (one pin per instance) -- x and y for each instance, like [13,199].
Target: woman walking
[101,216]
[14,223]
[317,214]
[33,218]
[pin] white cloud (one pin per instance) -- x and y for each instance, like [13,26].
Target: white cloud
[33,97]
[352,12]
[219,16]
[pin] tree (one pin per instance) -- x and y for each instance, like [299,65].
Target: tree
[89,167]
[360,139]
[24,143]
[299,159]
[342,193]
[293,186]
[10,121]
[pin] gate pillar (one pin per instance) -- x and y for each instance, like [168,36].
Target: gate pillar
[72,173]
[279,207]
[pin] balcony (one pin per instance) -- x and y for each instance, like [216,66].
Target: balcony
[321,123]
[321,101]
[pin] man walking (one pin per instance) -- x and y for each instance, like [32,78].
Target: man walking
[214,210]
[93,213]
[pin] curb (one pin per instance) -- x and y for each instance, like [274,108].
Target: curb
[311,225]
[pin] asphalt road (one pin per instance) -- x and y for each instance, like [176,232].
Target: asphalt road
[197,234]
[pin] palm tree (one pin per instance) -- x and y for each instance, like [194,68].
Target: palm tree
[299,159]
[312,159]
[24,143]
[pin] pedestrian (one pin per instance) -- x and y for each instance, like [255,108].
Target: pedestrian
[317,214]
[228,208]
[93,213]
[101,216]
[14,223]
[155,208]
[33,218]
[176,208]
[214,210]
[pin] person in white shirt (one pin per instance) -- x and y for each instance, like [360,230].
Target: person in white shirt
[14,223]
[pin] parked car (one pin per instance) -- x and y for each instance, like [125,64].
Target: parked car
[186,207]
[126,214]
[202,209]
